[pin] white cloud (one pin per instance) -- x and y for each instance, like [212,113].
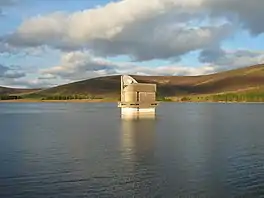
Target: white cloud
[101,23]
[82,65]
[27,83]
[143,30]
[47,77]
[153,29]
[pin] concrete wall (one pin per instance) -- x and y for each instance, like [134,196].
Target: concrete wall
[141,87]
[147,96]
[144,93]
[130,96]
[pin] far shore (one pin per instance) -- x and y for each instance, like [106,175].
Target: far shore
[56,101]
[112,101]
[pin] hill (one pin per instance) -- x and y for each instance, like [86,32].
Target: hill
[15,91]
[250,79]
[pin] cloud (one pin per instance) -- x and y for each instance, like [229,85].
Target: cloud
[170,70]
[8,76]
[8,73]
[143,30]
[6,3]
[82,65]
[165,43]
[3,69]
[248,13]
[14,74]
[47,77]
[231,59]
[5,48]
[78,65]
[28,83]
[211,55]
[16,77]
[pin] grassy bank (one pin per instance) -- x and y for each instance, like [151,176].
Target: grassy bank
[224,97]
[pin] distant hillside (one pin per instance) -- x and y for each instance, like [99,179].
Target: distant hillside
[16,91]
[239,80]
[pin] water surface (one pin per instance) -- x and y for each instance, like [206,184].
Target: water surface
[86,150]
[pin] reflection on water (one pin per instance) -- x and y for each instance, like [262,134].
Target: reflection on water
[138,133]
[138,138]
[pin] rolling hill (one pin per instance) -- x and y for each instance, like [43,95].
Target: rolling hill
[249,79]
[15,91]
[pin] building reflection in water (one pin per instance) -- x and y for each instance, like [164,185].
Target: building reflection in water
[138,148]
[137,131]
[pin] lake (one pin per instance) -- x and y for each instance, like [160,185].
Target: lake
[87,150]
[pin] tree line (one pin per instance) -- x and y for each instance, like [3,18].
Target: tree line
[51,97]
[8,97]
[239,97]
[69,97]
[228,97]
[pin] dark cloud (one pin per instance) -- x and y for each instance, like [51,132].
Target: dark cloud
[5,48]
[5,4]
[166,43]
[14,74]
[211,55]
[248,13]
[231,59]
[8,73]
[3,69]
[8,2]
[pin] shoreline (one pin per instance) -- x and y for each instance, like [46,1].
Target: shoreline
[114,101]
[55,101]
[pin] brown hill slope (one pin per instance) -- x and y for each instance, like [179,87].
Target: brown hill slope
[16,91]
[230,81]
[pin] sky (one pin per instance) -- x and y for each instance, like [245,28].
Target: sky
[45,43]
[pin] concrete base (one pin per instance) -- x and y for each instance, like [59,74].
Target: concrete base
[137,110]
[134,113]
[139,116]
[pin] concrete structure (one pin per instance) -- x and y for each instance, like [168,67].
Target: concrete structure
[137,97]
